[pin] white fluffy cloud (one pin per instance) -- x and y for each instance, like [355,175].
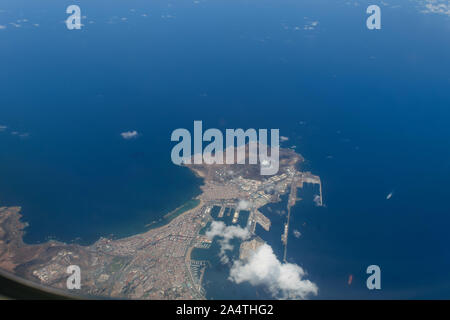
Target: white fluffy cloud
[244,205]
[226,233]
[283,280]
[129,134]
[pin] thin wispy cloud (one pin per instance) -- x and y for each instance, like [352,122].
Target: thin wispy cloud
[129,135]
[311,26]
[437,7]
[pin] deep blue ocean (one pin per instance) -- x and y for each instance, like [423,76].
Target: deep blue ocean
[369,111]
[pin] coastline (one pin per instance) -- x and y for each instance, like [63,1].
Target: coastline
[168,217]
[156,263]
[111,265]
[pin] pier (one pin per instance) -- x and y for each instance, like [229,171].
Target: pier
[221,212]
[297,182]
[235,216]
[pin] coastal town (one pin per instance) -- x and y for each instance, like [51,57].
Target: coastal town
[157,264]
